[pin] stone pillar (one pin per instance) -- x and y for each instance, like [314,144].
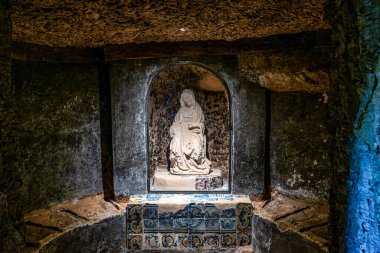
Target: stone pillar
[10,182]
[355,191]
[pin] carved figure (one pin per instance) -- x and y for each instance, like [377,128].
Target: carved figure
[188,143]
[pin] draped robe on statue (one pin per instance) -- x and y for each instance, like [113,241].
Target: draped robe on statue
[188,143]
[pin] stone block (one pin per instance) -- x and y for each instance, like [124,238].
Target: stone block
[163,180]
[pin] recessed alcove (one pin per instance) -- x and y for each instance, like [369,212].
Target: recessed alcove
[290,120]
[163,105]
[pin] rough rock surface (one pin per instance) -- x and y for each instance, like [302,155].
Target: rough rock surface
[97,23]
[59,132]
[355,76]
[10,178]
[299,146]
[303,69]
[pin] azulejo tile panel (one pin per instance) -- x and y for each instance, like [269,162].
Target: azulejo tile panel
[210,222]
[211,241]
[196,225]
[169,241]
[212,226]
[244,223]
[197,241]
[244,239]
[166,225]
[152,242]
[228,225]
[228,213]
[134,226]
[184,241]
[134,242]
[150,226]
[211,211]
[228,240]
[196,211]
[134,212]
[181,225]
[150,211]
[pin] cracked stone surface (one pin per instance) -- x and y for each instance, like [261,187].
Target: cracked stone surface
[281,218]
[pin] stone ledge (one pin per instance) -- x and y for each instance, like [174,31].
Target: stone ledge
[283,224]
[46,228]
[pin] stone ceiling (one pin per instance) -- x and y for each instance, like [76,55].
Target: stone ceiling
[92,23]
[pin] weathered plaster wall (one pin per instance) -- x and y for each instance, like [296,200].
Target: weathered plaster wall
[299,144]
[164,104]
[57,105]
[129,86]
[11,233]
[355,201]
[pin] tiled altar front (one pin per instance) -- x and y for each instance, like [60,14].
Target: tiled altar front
[161,222]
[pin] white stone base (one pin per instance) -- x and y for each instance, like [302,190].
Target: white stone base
[163,180]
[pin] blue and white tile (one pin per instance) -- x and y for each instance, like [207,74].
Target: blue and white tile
[197,241]
[228,240]
[134,211]
[196,210]
[228,213]
[135,226]
[244,239]
[227,225]
[181,225]
[211,241]
[150,211]
[212,226]
[196,225]
[152,242]
[169,241]
[166,225]
[150,226]
[244,223]
[134,243]
[211,211]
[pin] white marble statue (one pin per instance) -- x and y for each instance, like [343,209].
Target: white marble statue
[188,143]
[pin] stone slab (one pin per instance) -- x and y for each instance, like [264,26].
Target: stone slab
[163,180]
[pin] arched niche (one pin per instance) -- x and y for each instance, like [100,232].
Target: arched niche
[163,103]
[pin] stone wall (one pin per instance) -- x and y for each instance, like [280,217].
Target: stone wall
[59,131]
[11,232]
[164,104]
[299,144]
[355,200]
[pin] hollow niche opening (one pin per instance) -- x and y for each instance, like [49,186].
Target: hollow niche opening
[188,153]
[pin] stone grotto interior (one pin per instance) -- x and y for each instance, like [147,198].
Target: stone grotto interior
[190,126]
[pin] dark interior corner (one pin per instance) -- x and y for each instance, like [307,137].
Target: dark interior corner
[194,126]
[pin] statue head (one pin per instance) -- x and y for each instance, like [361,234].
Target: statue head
[187,98]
